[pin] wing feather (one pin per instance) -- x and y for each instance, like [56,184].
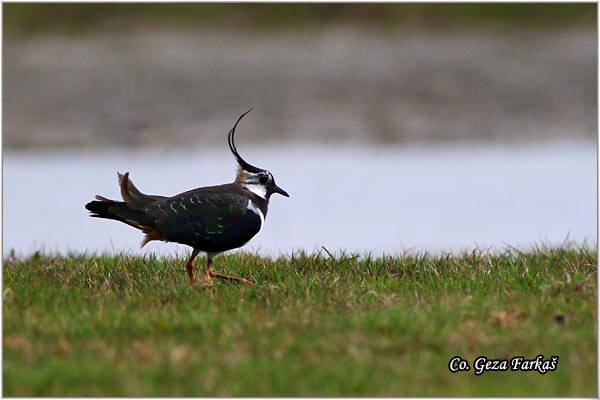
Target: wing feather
[199,218]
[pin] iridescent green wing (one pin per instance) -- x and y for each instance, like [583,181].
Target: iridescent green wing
[197,217]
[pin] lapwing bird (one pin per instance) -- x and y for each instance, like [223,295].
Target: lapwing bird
[211,219]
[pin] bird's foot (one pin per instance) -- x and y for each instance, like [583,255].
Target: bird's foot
[213,274]
[206,281]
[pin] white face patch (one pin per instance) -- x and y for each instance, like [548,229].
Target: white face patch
[257,189]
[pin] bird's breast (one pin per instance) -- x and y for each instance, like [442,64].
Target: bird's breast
[253,208]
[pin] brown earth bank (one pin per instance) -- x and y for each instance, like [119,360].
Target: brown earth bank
[160,87]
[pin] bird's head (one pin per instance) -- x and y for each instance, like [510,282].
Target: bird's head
[257,180]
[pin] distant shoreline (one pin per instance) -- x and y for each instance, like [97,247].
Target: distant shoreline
[158,88]
[22,19]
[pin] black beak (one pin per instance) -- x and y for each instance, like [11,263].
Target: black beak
[277,189]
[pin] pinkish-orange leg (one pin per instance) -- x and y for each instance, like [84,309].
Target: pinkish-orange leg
[209,272]
[190,265]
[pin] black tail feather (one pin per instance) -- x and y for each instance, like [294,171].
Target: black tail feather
[119,211]
[101,209]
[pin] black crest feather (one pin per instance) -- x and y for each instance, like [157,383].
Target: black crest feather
[245,166]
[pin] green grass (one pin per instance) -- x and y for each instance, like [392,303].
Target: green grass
[36,18]
[313,325]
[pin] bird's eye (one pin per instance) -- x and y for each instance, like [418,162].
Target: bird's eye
[263,179]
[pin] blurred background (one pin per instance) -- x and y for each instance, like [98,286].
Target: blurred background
[394,127]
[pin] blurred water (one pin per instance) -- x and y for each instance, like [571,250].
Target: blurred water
[370,199]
